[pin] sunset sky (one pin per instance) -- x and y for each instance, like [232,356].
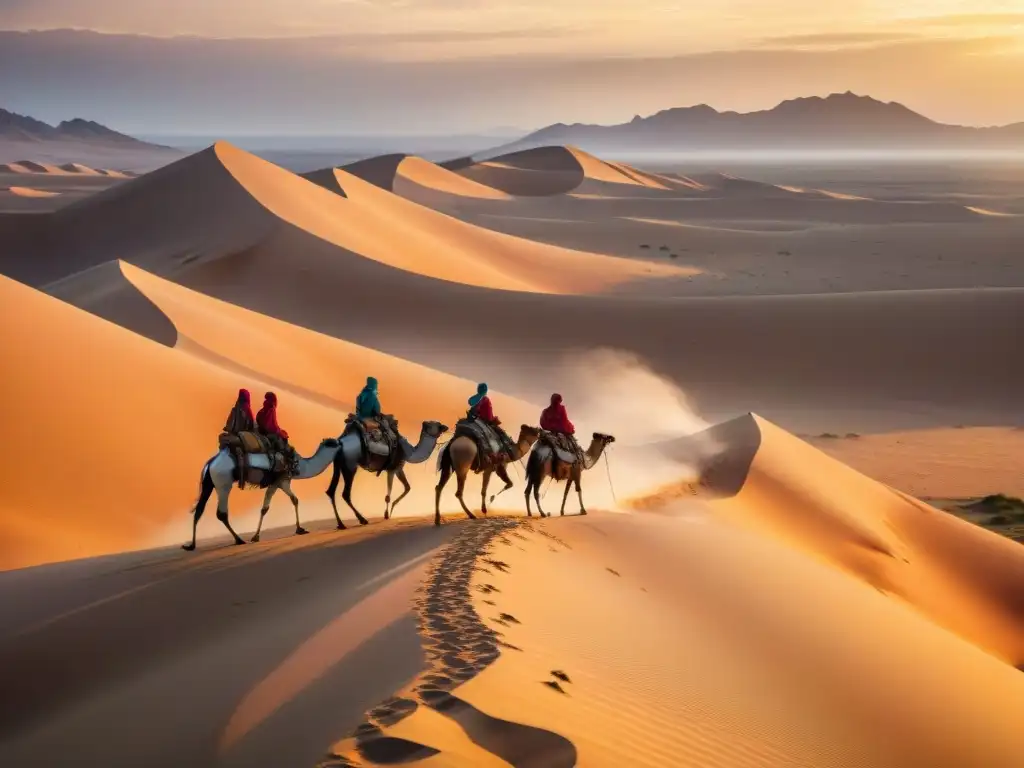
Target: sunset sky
[500,62]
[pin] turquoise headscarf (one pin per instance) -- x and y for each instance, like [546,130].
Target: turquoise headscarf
[481,393]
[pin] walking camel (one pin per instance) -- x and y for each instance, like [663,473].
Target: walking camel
[538,466]
[221,473]
[352,454]
[460,456]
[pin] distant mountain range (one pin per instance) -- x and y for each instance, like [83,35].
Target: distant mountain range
[838,121]
[20,128]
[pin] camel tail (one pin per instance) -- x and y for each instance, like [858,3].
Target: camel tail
[443,457]
[205,489]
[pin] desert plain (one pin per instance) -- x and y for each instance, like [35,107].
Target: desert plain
[799,551]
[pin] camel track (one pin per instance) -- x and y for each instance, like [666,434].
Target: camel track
[458,646]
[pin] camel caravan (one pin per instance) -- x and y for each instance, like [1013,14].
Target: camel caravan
[254,452]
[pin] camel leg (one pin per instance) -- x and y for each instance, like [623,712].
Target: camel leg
[271,490]
[568,487]
[579,492]
[205,491]
[483,490]
[387,497]
[502,472]
[222,511]
[536,491]
[400,473]
[526,493]
[332,489]
[460,480]
[286,486]
[346,493]
[446,473]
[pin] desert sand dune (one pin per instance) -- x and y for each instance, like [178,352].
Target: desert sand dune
[556,170]
[847,354]
[97,382]
[408,176]
[688,644]
[961,576]
[79,168]
[30,192]
[223,201]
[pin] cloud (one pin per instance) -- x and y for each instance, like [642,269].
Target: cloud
[966,20]
[835,39]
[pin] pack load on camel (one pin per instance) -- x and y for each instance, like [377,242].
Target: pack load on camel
[377,431]
[494,446]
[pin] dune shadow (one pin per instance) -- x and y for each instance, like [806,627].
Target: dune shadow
[523,746]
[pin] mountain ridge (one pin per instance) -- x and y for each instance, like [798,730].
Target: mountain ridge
[17,127]
[837,121]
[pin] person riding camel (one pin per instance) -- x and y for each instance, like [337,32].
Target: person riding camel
[240,419]
[480,408]
[555,419]
[266,422]
[368,407]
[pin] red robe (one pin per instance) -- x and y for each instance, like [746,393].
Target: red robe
[555,418]
[266,419]
[483,411]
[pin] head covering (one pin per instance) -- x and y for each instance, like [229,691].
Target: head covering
[481,393]
[371,383]
[269,400]
[556,399]
[243,396]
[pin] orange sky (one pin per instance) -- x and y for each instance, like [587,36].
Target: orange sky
[953,60]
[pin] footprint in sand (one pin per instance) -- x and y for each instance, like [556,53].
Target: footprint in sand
[459,645]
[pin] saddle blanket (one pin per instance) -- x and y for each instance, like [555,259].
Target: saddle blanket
[487,440]
[371,433]
[562,446]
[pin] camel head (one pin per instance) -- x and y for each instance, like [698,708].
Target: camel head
[528,434]
[605,439]
[434,428]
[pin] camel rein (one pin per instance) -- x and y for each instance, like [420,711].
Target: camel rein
[608,468]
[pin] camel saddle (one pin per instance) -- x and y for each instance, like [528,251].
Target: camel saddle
[376,438]
[489,445]
[564,447]
[242,445]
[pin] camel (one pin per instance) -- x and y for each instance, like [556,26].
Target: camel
[460,455]
[352,455]
[538,466]
[221,473]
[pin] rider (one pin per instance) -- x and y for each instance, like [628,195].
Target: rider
[368,407]
[480,409]
[367,402]
[266,421]
[240,419]
[555,419]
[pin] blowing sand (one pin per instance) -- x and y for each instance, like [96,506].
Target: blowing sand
[740,596]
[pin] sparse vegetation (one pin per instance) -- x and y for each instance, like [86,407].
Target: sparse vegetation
[785,253]
[644,245]
[663,248]
[828,436]
[673,255]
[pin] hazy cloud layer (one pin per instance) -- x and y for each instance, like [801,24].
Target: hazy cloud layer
[321,86]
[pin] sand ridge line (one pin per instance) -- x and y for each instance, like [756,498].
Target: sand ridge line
[458,646]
